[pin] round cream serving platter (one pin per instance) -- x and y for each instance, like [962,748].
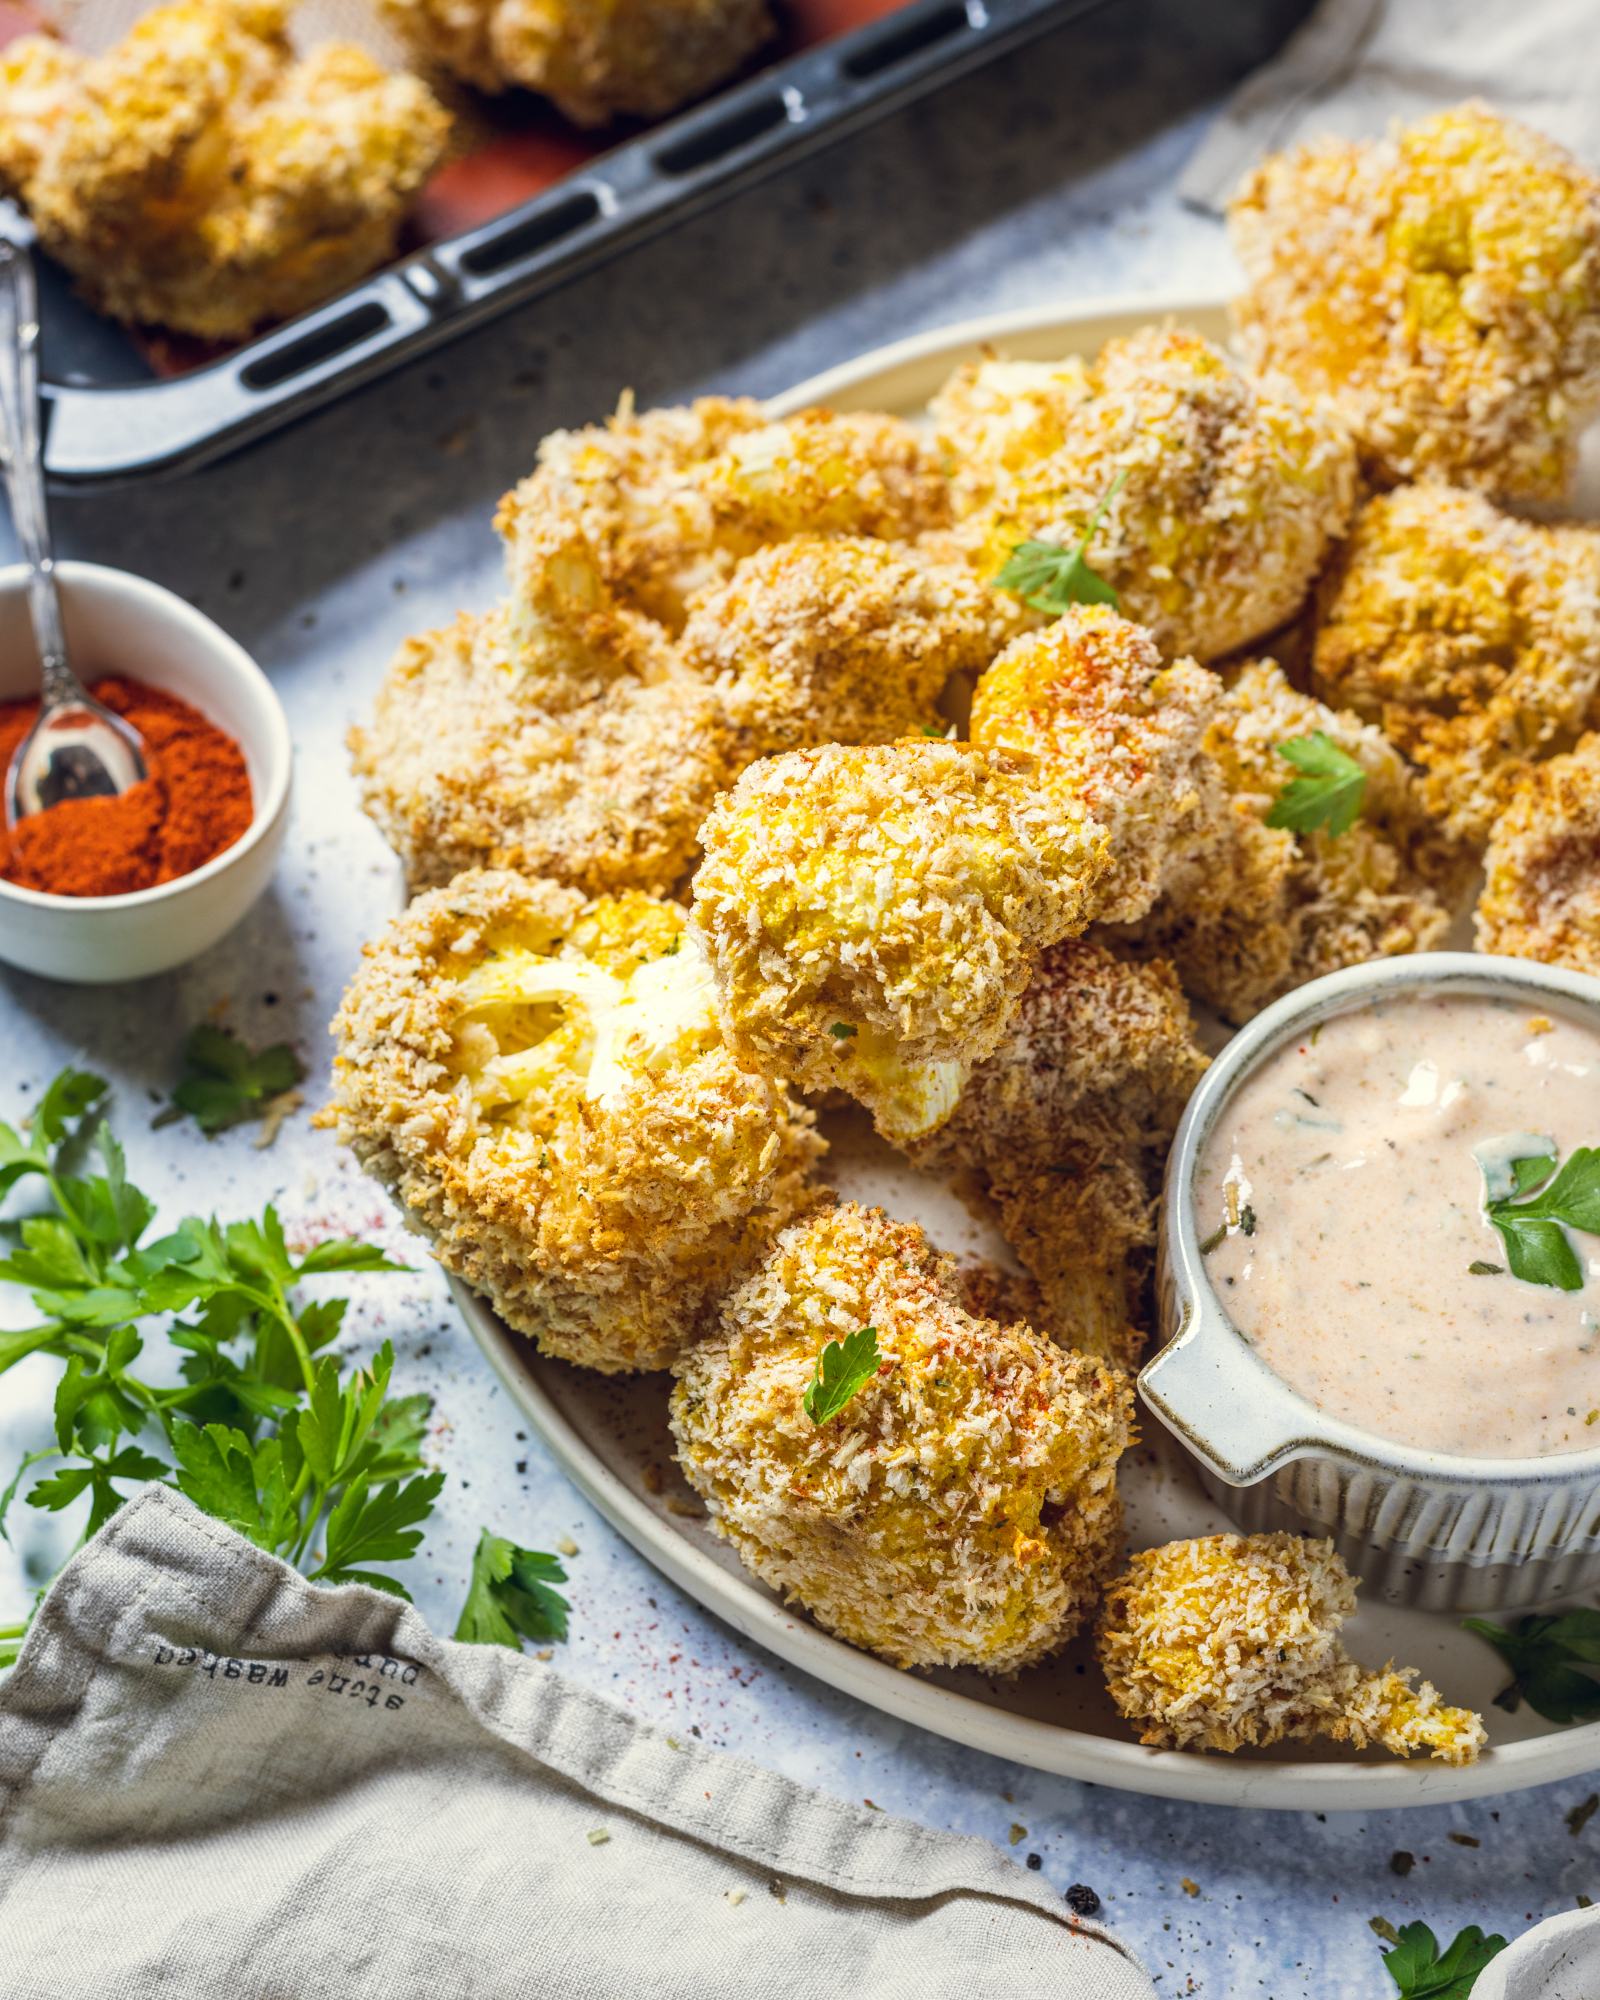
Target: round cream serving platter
[610,1434]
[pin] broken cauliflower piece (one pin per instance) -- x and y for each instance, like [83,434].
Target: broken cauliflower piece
[540,1082]
[672,500]
[1470,637]
[1541,896]
[961,1509]
[1221,493]
[1233,1640]
[622,58]
[842,640]
[198,176]
[559,735]
[1116,733]
[1265,908]
[1066,1127]
[1443,286]
[872,914]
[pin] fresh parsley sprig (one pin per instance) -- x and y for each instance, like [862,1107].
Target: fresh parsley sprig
[1421,1971]
[843,1367]
[1535,1231]
[1329,793]
[265,1429]
[1050,576]
[224,1083]
[510,1597]
[1547,1653]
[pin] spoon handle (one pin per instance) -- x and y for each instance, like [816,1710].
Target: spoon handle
[21,463]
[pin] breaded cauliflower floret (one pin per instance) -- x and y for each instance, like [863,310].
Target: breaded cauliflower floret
[960,1510]
[1117,733]
[1470,637]
[845,640]
[198,177]
[1066,1127]
[595,59]
[1443,286]
[1541,895]
[1222,493]
[1234,1639]
[872,915]
[1265,908]
[672,500]
[558,735]
[540,1082]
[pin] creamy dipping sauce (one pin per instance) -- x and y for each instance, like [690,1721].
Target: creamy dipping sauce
[1341,1199]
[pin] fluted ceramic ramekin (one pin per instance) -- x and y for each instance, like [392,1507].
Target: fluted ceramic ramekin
[1429,1528]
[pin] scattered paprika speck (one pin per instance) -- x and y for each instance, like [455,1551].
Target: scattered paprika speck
[195,802]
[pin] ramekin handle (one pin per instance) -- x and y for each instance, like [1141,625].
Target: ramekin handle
[1224,1403]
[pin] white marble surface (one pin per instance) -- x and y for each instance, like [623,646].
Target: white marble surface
[1048,177]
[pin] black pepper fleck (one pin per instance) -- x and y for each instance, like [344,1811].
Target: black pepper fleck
[1082,1900]
[1035,1861]
[1401,1862]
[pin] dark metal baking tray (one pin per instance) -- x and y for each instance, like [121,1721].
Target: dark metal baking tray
[104,432]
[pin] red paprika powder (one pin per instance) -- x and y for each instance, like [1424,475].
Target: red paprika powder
[195,802]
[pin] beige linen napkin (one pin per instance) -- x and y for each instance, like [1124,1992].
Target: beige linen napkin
[1356,65]
[218,1778]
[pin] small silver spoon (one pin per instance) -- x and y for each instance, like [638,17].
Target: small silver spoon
[77,749]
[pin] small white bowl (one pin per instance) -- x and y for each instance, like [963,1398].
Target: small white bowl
[120,624]
[1430,1528]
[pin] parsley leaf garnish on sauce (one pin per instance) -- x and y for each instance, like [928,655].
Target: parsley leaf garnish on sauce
[843,1367]
[1534,1231]
[1546,1654]
[224,1083]
[1329,792]
[1050,577]
[1421,1971]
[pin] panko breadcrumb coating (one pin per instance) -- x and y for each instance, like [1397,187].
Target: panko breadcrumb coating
[961,1509]
[1265,908]
[1443,286]
[842,640]
[1541,896]
[197,176]
[559,735]
[595,59]
[1233,1640]
[1470,637]
[872,914]
[1067,1126]
[540,1082]
[672,500]
[1117,733]
[1230,489]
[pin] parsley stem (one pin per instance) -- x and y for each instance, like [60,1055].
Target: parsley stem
[13,1631]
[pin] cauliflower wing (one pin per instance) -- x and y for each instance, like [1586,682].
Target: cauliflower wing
[670,501]
[1221,493]
[540,1082]
[1443,286]
[1233,1640]
[1541,896]
[1470,637]
[595,59]
[1263,908]
[198,177]
[842,640]
[872,914]
[559,735]
[1116,733]
[1066,1128]
[961,1509]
